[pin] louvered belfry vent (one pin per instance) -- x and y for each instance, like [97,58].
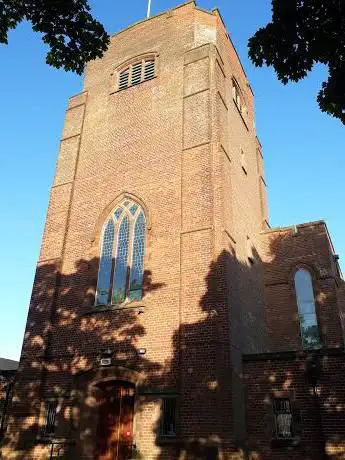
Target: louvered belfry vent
[137,73]
[124,79]
[149,70]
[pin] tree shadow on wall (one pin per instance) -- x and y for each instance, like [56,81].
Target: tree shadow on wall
[207,358]
[224,405]
[64,340]
[220,320]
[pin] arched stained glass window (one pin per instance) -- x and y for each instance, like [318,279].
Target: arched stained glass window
[121,267]
[306,309]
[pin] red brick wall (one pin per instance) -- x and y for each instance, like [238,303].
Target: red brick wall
[212,279]
[284,251]
[174,145]
[274,375]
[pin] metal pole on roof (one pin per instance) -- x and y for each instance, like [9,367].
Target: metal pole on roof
[148,9]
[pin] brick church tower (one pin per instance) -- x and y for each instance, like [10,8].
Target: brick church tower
[150,285]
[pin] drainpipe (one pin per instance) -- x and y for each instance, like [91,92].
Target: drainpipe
[313,373]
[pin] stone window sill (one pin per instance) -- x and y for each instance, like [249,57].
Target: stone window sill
[276,443]
[167,440]
[115,308]
[53,440]
[132,86]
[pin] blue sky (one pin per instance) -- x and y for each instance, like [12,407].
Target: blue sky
[303,148]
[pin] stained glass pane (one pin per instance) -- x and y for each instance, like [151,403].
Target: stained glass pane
[126,203]
[133,209]
[118,213]
[306,309]
[138,258]
[120,275]
[310,331]
[104,275]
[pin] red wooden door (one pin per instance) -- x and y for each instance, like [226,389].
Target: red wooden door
[115,425]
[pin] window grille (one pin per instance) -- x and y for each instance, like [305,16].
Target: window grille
[3,411]
[283,418]
[168,417]
[121,268]
[137,73]
[49,426]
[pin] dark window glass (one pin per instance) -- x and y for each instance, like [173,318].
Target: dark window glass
[104,276]
[168,417]
[283,418]
[6,388]
[306,310]
[49,427]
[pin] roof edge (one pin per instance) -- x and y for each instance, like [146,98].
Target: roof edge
[181,5]
[217,12]
[293,227]
[214,12]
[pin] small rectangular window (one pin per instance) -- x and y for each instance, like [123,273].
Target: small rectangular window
[49,425]
[283,418]
[168,417]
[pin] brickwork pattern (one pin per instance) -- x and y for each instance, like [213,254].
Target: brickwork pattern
[216,282]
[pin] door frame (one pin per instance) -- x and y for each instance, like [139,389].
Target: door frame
[86,395]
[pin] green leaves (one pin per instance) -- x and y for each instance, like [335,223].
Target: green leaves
[302,33]
[68,28]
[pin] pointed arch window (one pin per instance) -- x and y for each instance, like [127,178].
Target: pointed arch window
[306,309]
[121,268]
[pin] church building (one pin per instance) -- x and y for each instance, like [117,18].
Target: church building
[168,320]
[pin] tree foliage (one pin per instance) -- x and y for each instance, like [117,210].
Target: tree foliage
[67,27]
[302,33]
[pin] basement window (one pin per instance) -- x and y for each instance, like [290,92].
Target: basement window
[137,73]
[50,419]
[283,419]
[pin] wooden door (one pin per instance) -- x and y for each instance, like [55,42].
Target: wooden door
[115,425]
